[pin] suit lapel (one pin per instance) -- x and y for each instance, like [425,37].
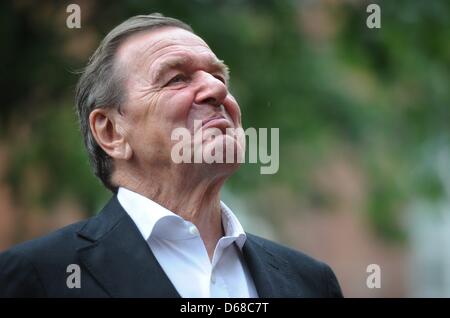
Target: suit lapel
[272,275]
[120,259]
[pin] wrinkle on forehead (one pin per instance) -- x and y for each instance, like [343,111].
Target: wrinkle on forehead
[142,47]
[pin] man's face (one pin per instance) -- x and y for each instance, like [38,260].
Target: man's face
[172,79]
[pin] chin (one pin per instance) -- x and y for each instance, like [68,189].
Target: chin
[223,150]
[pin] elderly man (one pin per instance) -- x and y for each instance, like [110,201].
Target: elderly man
[165,232]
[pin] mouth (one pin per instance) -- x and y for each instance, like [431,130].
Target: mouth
[217,121]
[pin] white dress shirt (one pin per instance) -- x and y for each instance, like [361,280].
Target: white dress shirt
[180,251]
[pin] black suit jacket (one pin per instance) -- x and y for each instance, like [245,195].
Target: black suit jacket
[115,261]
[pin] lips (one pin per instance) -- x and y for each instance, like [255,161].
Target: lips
[215,117]
[217,121]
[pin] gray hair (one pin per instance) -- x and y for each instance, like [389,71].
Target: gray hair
[100,85]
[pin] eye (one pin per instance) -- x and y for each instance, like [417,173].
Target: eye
[179,78]
[220,78]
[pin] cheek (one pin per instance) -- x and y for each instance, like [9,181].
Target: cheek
[174,107]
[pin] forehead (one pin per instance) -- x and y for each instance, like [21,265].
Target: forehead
[147,47]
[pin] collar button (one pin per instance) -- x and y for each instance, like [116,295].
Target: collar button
[193,230]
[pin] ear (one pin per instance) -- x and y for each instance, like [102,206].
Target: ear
[109,133]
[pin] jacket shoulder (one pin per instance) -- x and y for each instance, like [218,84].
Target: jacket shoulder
[26,268]
[310,271]
[287,253]
[57,241]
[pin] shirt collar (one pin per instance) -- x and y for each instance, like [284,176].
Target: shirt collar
[153,219]
[232,226]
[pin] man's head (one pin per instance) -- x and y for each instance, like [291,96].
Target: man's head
[150,75]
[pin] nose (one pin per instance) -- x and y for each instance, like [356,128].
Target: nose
[211,91]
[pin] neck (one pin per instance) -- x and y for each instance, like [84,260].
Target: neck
[194,199]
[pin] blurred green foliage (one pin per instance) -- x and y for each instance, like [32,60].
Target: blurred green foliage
[313,69]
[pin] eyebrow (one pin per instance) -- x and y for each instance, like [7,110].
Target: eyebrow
[179,62]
